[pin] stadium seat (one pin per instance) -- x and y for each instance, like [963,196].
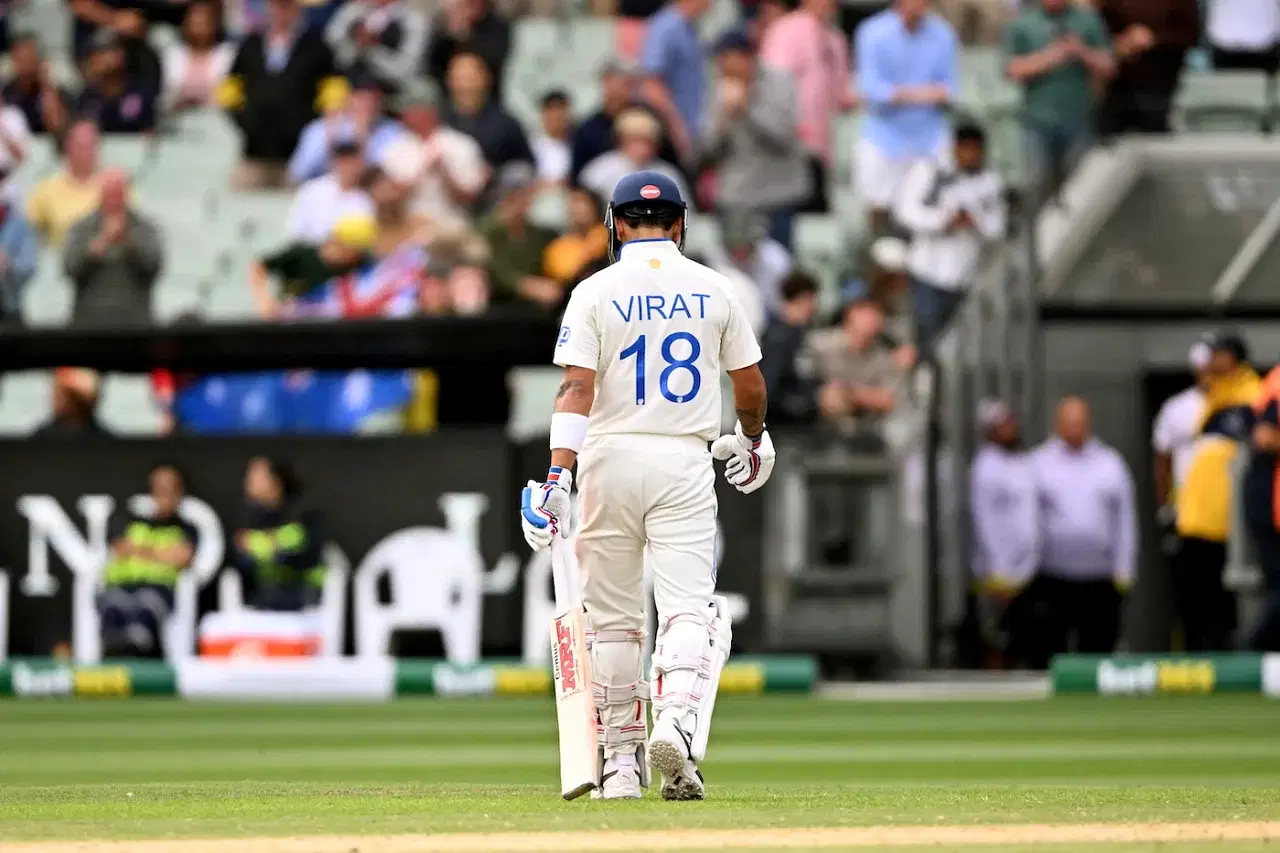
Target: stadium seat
[445,596]
[820,250]
[26,401]
[1236,101]
[127,406]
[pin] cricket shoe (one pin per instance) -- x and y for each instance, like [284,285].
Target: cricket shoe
[621,782]
[669,754]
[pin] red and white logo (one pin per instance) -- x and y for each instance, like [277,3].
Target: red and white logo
[650,191]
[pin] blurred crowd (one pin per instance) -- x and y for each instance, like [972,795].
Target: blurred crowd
[414,186]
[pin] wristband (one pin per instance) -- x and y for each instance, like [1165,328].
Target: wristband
[568,431]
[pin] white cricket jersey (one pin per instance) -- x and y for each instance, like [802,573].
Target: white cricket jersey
[658,329]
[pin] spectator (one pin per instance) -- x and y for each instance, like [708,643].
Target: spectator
[751,138]
[1088,536]
[445,166]
[1004,511]
[637,133]
[517,246]
[594,136]
[322,201]
[586,243]
[1058,50]
[397,224]
[277,78]
[32,89]
[195,67]
[76,392]
[469,26]
[856,371]
[1244,35]
[675,83]
[113,258]
[807,44]
[906,61]
[1173,440]
[118,101]
[551,147]
[19,255]
[748,249]
[148,553]
[385,38]
[1151,39]
[977,22]
[129,21]
[1262,510]
[952,215]
[15,140]
[279,550]
[473,111]
[301,268]
[59,200]
[792,397]
[361,121]
[1202,513]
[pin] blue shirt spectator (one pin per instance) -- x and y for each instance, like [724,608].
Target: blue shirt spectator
[311,158]
[675,63]
[20,251]
[906,75]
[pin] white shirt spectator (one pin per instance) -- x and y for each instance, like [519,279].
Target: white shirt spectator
[770,263]
[319,204]
[553,158]
[16,138]
[1176,427]
[929,200]
[602,174]
[1243,25]
[411,160]
[193,78]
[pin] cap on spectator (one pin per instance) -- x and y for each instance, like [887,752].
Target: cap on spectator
[514,178]
[637,122]
[1200,356]
[420,92]
[1228,342]
[742,229]
[733,40]
[624,67]
[854,292]
[993,412]
[355,231]
[104,39]
[363,81]
[889,254]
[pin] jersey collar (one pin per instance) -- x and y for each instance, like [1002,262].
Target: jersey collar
[653,243]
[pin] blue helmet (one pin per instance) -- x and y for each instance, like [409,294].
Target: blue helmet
[645,194]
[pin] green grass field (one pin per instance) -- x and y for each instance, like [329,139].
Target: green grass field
[166,769]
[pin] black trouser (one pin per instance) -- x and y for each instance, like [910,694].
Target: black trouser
[1072,615]
[133,618]
[1128,110]
[1266,634]
[1246,60]
[1205,607]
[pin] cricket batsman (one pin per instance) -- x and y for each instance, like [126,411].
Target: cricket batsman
[643,345]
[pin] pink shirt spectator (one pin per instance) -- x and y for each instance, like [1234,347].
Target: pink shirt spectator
[816,55]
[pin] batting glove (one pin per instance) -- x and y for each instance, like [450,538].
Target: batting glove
[750,459]
[545,508]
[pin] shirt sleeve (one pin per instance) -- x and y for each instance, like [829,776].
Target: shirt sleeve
[655,54]
[1164,432]
[1126,551]
[873,83]
[738,347]
[578,344]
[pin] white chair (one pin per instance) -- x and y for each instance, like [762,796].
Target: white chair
[333,598]
[436,583]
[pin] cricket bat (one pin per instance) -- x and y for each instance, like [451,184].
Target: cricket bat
[571,670]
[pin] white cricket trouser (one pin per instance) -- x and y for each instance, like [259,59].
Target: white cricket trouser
[646,496]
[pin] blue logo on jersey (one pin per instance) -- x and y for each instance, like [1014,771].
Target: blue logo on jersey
[564,336]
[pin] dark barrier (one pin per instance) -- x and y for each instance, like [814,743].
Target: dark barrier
[57,498]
